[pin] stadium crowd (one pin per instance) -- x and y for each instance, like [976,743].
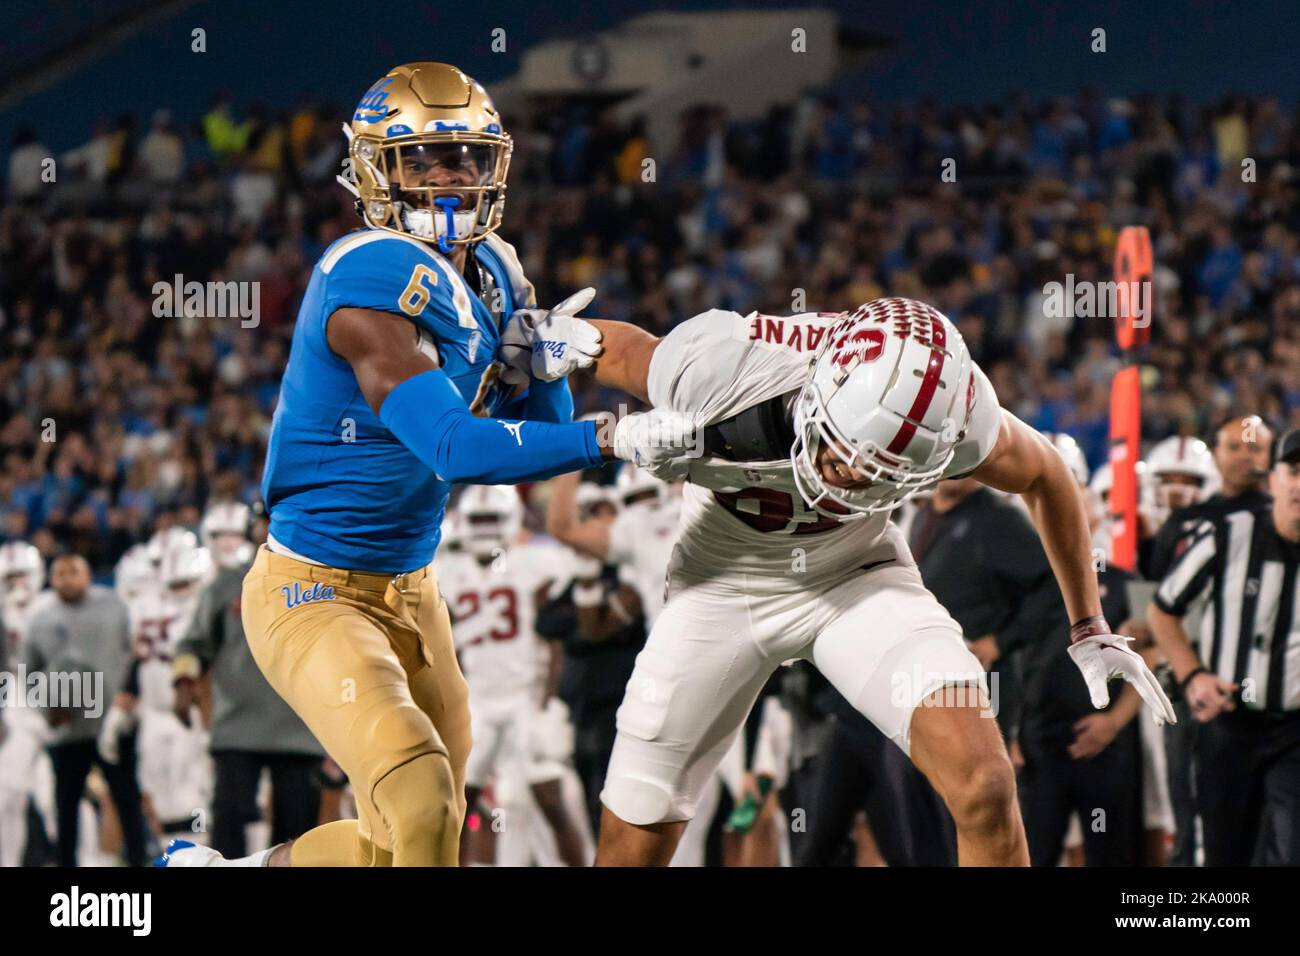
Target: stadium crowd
[121,419]
[115,421]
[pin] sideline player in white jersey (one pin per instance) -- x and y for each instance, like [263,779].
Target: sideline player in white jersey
[640,539]
[174,767]
[25,769]
[1099,487]
[225,531]
[521,734]
[135,573]
[1181,472]
[1172,476]
[786,551]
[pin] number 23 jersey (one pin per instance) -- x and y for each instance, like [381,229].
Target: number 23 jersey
[746,518]
[494,611]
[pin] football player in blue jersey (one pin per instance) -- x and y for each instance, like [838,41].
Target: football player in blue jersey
[395,388]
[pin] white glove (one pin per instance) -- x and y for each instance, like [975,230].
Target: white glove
[1103,656]
[549,345]
[117,721]
[660,441]
[585,567]
[550,733]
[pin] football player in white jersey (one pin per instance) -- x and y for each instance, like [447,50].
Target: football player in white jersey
[175,769]
[225,531]
[166,538]
[24,766]
[640,539]
[1181,472]
[811,429]
[1099,486]
[521,735]
[135,573]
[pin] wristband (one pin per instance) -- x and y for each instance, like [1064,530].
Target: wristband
[588,595]
[1182,684]
[1088,627]
[618,610]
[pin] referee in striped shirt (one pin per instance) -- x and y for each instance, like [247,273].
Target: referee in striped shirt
[1245,691]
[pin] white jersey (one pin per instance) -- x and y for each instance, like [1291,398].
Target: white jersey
[746,520]
[641,541]
[494,610]
[159,619]
[18,612]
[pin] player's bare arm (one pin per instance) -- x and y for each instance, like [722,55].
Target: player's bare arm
[624,360]
[563,523]
[382,348]
[1024,462]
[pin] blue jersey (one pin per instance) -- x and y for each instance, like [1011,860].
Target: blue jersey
[341,489]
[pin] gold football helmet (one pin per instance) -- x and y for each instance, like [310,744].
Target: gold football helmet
[428,156]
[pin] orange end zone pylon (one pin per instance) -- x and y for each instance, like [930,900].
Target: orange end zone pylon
[1133,267]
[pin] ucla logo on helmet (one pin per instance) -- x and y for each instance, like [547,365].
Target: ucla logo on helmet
[398,129]
[442,126]
[371,109]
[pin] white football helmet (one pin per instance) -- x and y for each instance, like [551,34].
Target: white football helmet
[1103,479]
[890,393]
[1182,472]
[224,532]
[135,572]
[591,495]
[1073,455]
[184,565]
[22,571]
[162,540]
[636,486]
[452,536]
[491,517]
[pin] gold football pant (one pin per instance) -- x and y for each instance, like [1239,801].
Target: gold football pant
[367,662]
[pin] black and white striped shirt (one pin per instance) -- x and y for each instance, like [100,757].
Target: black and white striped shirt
[1250,632]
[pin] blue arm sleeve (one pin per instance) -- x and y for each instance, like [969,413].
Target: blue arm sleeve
[429,417]
[543,402]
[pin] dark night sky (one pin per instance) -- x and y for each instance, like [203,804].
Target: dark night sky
[280,50]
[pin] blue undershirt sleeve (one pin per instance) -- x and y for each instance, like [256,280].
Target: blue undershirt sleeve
[543,402]
[427,414]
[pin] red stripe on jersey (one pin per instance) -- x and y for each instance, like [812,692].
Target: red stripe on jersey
[925,395]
